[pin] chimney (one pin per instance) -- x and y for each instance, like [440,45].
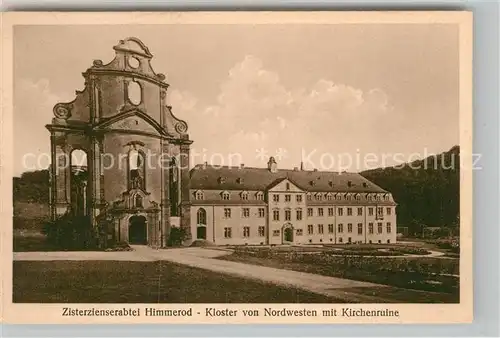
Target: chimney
[272,165]
[301,165]
[315,169]
[349,184]
[205,165]
[295,168]
[242,166]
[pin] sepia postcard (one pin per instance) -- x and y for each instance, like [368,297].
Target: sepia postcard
[237,167]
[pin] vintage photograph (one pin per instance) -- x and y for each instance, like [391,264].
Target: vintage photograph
[237,163]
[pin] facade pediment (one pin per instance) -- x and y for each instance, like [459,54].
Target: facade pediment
[132,121]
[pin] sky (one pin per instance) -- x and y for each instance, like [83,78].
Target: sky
[331,96]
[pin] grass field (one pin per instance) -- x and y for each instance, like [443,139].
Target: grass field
[142,282]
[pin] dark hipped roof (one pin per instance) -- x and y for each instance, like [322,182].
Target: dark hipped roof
[206,177]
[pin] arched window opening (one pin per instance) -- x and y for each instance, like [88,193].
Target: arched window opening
[78,182]
[134,92]
[174,187]
[201,217]
[136,165]
[201,221]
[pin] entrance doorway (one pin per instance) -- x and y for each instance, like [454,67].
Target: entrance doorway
[288,234]
[137,231]
[201,232]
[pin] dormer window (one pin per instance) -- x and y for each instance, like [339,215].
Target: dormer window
[259,196]
[244,195]
[221,180]
[330,183]
[225,196]
[349,184]
[319,197]
[377,197]
[199,195]
[338,197]
[365,185]
[358,197]
[312,183]
[329,196]
[240,180]
[309,197]
[348,197]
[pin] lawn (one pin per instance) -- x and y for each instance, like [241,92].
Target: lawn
[416,275]
[142,282]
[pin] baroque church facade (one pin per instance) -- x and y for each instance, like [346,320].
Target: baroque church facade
[121,158]
[118,123]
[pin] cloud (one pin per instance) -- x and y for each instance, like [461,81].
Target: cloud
[254,110]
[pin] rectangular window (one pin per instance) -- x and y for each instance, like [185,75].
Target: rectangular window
[227,233]
[320,211]
[330,228]
[276,233]
[349,211]
[380,211]
[310,229]
[262,231]
[330,211]
[360,228]
[388,227]
[276,198]
[276,215]
[309,212]
[388,211]
[379,228]
[360,211]
[370,228]
[227,212]
[299,198]
[246,232]
[299,232]
[246,212]
[349,227]
[349,240]
[299,214]
[340,228]
[320,228]
[340,212]
[288,215]
[288,198]
[340,239]
[262,212]
[370,211]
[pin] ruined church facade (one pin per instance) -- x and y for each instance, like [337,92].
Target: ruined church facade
[131,178]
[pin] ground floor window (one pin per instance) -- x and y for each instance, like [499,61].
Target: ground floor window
[340,240]
[262,231]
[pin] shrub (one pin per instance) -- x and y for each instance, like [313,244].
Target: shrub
[177,236]
[70,232]
[409,250]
